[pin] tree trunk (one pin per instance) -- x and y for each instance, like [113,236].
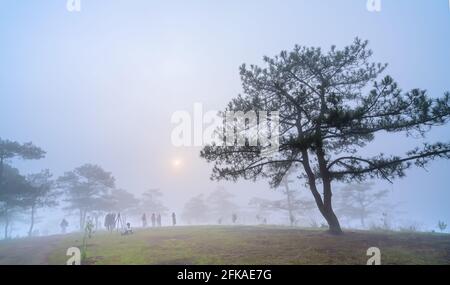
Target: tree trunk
[289,203]
[30,231]
[1,171]
[333,222]
[96,221]
[329,215]
[81,219]
[6,224]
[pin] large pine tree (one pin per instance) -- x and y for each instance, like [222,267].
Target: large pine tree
[331,106]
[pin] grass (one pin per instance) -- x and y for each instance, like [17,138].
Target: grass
[232,245]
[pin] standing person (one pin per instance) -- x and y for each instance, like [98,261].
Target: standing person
[144,220]
[64,225]
[153,220]
[174,219]
[89,227]
[159,220]
[234,218]
[106,223]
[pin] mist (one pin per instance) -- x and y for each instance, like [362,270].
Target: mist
[100,86]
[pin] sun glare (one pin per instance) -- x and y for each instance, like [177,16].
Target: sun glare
[176,163]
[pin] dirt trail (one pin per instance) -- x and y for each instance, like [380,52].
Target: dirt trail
[28,251]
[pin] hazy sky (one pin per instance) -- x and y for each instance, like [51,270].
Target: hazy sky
[100,85]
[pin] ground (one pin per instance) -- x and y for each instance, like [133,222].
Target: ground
[232,245]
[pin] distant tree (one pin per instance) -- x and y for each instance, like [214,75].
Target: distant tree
[442,226]
[294,206]
[88,189]
[151,202]
[331,105]
[261,207]
[124,201]
[289,201]
[13,196]
[11,149]
[42,193]
[360,201]
[115,200]
[220,203]
[195,210]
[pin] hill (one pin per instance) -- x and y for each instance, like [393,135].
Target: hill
[232,245]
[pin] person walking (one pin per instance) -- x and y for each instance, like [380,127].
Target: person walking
[144,220]
[159,220]
[174,219]
[64,224]
[153,220]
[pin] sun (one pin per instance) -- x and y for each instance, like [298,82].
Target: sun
[176,163]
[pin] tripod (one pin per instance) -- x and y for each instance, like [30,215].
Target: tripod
[119,222]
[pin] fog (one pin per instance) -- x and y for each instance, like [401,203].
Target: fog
[99,86]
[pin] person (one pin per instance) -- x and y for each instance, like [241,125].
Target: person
[108,221]
[158,219]
[144,220]
[234,218]
[128,230]
[174,219]
[219,221]
[64,224]
[153,220]
[89,227]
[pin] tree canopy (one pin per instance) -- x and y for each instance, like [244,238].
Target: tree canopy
[11,149]
[88,189]
[331,105]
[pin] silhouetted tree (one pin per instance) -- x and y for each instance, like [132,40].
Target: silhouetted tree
[442,226]
[42,193]
[13,196]
[195,210]
[88,187]
[294,205]
[151,202]
[124,201]
[220,203]
[359,201]
[327,115]
[11,149]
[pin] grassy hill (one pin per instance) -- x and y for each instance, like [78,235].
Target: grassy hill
[232,245]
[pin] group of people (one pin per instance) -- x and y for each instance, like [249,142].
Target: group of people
[111,220]
[156,220]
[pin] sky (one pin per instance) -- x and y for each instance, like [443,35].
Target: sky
[100,85]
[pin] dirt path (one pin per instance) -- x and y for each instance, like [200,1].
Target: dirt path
[28,251]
